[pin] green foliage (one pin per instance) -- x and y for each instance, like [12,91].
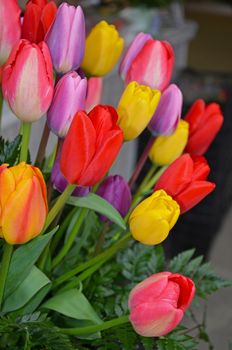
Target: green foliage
[177,340]
[9,151]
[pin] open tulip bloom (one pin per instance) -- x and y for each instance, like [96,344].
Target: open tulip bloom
[81,247]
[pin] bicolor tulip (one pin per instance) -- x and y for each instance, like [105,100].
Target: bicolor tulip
[94,93]
[115,190]
[151,221]
[205,121]
[136,108]
[23,203]
[157,304]
[166,149]
[69,98]
[66,38]
[103,49]
[185,180]
[148,61]
[10,27]
[38,17]
[91,146]
[27,81]
[168,112]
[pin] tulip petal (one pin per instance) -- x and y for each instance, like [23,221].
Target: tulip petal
[187,290]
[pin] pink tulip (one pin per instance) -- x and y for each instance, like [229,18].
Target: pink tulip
[94,93]
[27,80]
[148,61]
[158,303]
[10,27]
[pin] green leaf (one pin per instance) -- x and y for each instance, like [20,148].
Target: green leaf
[74,304]
[99,205]
[9,151]
[34,282]
[23,260]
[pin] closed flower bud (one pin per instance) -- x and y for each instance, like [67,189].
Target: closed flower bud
[103,49]
[94,93]
[23,203]
[27,81]
[166,149]
[148,61]
[151,221]
[157,304]
[115,190]
[205,121]
[10,27]
[66,38]
[186,181]
[168,112]
[136,108]
[69,98]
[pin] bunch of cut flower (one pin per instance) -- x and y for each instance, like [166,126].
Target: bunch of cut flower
[82,263]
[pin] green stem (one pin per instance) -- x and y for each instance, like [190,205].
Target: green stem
[101,238]
[26,131]
[1,105]
[42,146]
[106,255]
[96,328]
[71,238]
[154,179]
[6,258]
[147,178]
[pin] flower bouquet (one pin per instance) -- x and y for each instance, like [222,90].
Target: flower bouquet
[82,265]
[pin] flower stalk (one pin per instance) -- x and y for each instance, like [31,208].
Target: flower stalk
[26,131]
[6,258]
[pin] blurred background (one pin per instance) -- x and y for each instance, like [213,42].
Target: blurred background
[200,32]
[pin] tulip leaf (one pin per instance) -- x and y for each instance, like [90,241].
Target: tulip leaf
[23,260]
[34,282]
[100,205]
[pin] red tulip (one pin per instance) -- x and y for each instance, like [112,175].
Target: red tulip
[91,146]
[205,121]
[185,181]
[38,17]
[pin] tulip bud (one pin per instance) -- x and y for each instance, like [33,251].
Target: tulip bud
[38,18]
[185,181]
[151,221]
[136,108]
[157,304]
[103,49]
[166,149]
[10,27]
[27,81]
[94,93]
[148,61]
[115,190]
[168,112]
[66,38]
[23,201]
[69,98]
[205,121]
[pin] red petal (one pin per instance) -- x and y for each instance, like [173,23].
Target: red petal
[201,168]
[48,15]
[195,115]
[187,290]
[31,22]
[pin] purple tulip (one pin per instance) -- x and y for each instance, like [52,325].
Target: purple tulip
[69,98]
[168,112]
[66,38]
[115,190]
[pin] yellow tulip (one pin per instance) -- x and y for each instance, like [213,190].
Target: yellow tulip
[136,108]
[151,221]
[166,149]
[103,49]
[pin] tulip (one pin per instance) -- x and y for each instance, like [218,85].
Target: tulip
[115,190]
[91,146]
[168,113]
[148,61]
[205,121]
[10,27]
[94,92]
[23,203]
[38,17]
[151,221]
[158,303]
[27,80]
[66,38]
[136,108]
[185,181]
[166,149]
[103,49]
[69,98]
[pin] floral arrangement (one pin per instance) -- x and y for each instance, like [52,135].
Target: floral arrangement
[82,264]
